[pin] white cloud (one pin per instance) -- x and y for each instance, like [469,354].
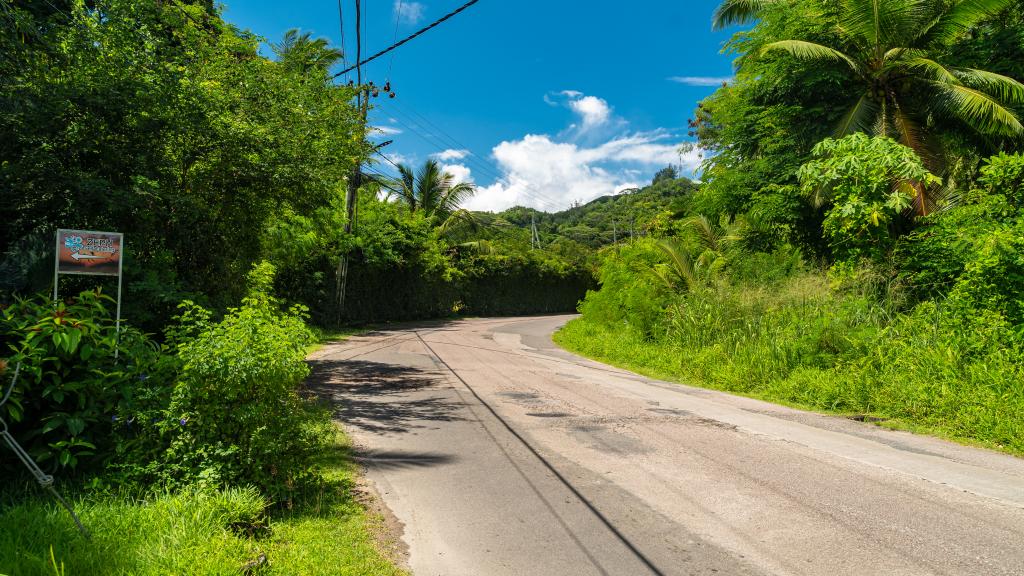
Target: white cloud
[409,12]
[459,172]
[571,93]
[386,130]
[451,154]
[701,80]
[593,111]
[550,175]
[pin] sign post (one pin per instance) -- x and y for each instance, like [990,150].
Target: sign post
[90,253]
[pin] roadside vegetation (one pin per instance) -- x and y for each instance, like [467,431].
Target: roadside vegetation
[856,243]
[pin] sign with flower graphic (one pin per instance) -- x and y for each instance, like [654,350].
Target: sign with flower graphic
[87,252]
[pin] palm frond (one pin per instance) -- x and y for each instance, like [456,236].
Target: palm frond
[810,51]
[878,24]
[958,19]
[1006,89]
[731,12]
[858,118]
[977,109]
[928,68]
[460,216]
[680,262]
[707,235]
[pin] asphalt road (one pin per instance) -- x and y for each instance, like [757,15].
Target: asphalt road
[501,454]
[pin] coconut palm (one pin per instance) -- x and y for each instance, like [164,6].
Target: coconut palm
[298,52]
[434,193]
[890,48]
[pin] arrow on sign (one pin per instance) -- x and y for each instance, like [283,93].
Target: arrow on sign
[78,256]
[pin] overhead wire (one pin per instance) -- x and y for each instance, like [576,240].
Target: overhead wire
[360,62]
[341,27]
[391,61]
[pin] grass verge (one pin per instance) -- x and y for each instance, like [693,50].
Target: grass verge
[975,402]
[207,532]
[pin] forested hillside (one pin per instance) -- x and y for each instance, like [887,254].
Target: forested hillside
[632,212]
[857,243]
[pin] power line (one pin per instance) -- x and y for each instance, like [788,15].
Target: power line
[407,38]
[341,26]
[398,18]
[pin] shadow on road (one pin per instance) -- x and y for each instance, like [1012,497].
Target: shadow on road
[399,459]
[379,397]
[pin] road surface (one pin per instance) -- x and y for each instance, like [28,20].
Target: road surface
[501,454]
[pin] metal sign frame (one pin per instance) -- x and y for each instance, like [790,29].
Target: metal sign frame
[120,265]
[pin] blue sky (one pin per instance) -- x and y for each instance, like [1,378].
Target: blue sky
[540,103]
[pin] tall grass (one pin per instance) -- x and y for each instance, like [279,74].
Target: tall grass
[933,368]
[195,532]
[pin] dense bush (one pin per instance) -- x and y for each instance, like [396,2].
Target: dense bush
[867,183]
[74,401]
[629,295]
[235,416]
[217,404]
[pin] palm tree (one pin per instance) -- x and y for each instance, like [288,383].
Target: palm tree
[889,47]
[297,52]
[434,193]
[713,243]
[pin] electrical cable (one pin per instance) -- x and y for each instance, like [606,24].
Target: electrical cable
[341,27]
[419,32]
[391,61]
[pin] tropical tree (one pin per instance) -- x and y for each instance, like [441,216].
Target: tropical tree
[711,243]
[298,52]
[434,193]
[892,49]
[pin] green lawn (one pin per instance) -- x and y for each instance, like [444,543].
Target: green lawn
[213,532]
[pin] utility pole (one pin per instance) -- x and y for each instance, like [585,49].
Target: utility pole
[534,236]
[356,178]
[615,233]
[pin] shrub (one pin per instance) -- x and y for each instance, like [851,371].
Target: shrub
[74,400]
[630,294]
[867,182]
[1004,174]
[235,415]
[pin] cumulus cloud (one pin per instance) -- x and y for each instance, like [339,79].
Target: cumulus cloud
[550,175]
[701,80]
[451,154]
[409,12]
[459,172]
[592,110]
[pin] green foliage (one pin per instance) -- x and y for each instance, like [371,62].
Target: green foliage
[162,121]
[1003,174]
[868,183]
[994,279]
[235,416]
[938,367]
[327,531]
[629,296]
[74,402]
[602,220]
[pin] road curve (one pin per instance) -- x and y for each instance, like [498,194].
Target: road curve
[501,454]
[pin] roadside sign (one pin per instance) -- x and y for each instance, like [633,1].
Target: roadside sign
[87,252]
[92,253]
